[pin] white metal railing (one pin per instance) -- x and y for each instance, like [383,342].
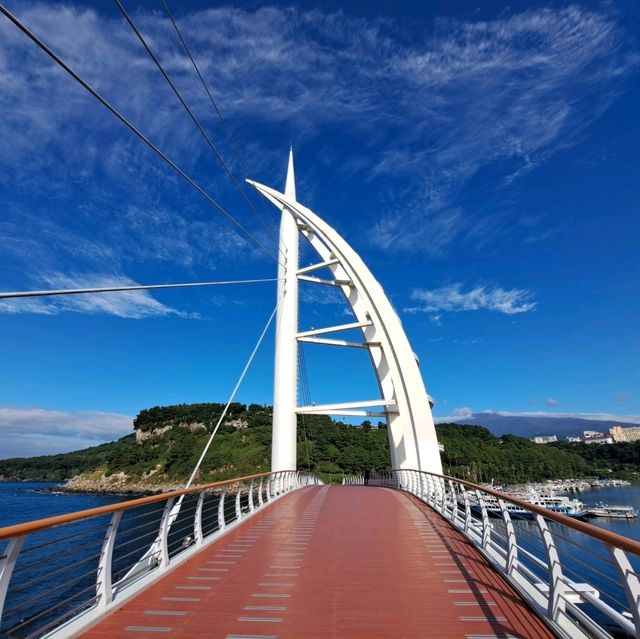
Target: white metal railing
[58,575]
[581,579]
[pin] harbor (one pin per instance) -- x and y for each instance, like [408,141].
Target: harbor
[558,496]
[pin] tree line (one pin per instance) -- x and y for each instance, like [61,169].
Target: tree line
[327,447]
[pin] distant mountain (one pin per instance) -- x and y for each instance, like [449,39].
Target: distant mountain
[530,426]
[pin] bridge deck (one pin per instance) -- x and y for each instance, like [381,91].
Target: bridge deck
[331,562]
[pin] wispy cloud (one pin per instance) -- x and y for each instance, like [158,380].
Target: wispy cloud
[552,401]
[436,109]
[453,299]
[125,304]
[503,94]
[38,431]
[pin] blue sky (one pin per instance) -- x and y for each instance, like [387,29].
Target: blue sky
[482,159]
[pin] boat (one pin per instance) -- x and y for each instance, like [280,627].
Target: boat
[555,503]
[613,512]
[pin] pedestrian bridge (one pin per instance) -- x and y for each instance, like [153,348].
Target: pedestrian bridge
[413,554]
[331,561]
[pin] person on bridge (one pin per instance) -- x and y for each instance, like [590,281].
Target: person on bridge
[367,474]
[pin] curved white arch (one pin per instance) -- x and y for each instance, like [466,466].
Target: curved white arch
[412,435]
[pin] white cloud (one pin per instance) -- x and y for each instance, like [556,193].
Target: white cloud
[125,304]
[38,431]
[454,299]
[466,95]
[463,412]
[552,401]
[506,93]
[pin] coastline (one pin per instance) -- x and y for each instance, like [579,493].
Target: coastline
[82,485]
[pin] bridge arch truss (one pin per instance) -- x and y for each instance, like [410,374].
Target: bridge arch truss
[403,398]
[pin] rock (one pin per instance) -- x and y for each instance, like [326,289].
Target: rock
[117,483]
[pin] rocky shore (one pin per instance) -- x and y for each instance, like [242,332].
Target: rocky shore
[116,484]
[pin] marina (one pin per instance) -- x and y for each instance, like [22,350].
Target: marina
[550,495]
[555,503]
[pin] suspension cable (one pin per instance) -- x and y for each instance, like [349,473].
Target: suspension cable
[305,394]
[302,399]
[227,129]
[186,107]
[112,289]
[132,128]
[231,397]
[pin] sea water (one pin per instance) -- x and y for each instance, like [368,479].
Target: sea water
[25,501]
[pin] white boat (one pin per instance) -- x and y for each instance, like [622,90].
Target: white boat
[555,503]
[614,512]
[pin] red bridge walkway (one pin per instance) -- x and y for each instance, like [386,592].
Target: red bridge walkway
[340,561]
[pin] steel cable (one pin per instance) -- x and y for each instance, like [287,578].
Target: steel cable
[133,129]
[227,130]
[113,289]
[186,107]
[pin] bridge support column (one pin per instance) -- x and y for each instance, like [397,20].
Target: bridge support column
[284,438]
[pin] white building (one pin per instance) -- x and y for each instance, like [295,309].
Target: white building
[593,437]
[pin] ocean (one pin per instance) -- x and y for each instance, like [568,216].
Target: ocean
[25,501]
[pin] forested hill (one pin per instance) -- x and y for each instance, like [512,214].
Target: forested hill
[168,441]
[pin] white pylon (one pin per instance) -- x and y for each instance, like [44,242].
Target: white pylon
[403,401]
[283,444]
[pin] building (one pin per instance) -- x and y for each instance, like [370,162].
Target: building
[574,440]
[594,437]
[544,439]
[621,434]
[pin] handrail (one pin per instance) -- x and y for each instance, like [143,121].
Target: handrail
[541,559]
[611,538]
[57,520]
[122,553]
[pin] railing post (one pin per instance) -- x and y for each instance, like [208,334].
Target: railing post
[512,546]
[238,505]
[222,524]
[630,582]
[251,508]
[486,527]
[269,487]
[260,500]
[104,590]
[430,490]
[164,533]
[556,585]
[7,564]
[276,484]
[467,512]
[197,520]
[421,490]
[454,501]
[442,494]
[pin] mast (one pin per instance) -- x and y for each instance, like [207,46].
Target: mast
[283,446]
